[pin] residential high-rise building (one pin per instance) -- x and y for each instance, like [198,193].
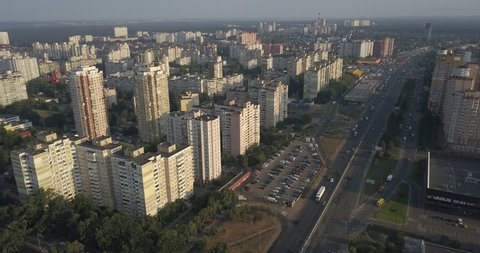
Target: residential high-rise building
[27,66]
[272,97]
[248,38]
[383,48]
[461,109]
[4,40]
[446,61]
[88,102]
[179,170]
[120,32]
[358,49]
[202,132]
[216,68]
[428,31]
[317,78]
[49,163]
[12,88]
[139,187]
[152,102]
[240,127]
[95,169]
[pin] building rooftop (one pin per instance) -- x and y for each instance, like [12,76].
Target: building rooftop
[362,91]
[454,174]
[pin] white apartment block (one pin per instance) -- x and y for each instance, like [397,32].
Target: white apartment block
[179,170]
[4,40]
[240,127]
[357,49]
[119,52]
[202,132]
[49,163]
[88,102]
[27,66]
[138,184]
[318,78]
[120,32]
[12,88]
[152,102]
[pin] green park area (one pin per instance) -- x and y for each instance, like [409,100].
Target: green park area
[395,210]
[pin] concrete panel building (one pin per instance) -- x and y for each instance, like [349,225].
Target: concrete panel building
[48,163]
[88,102]
[12,88]
[152,102]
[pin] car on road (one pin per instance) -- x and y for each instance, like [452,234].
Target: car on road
[331,180]
[381,189]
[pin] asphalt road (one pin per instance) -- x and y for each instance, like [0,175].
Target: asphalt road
[355,154]
[334,228]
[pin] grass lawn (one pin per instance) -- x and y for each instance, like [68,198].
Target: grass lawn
[379,170]
[254,245]
[395,210]
[332,146]
[44,113]
[232,231]
[350,111]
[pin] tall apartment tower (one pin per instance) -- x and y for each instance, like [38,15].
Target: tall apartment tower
[48,163]
[88,102]
[240,127]
[4,40]
[95,169]
[428,31]
[152,102]
[446,61]
[12,88]
[272,97]
[202,132]
[216,68]
[120,32]
[461,109]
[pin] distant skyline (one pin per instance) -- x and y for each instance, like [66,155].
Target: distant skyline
[64,10]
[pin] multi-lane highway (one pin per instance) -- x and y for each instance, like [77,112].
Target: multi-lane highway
[319,228]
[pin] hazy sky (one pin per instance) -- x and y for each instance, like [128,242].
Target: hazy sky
[34,10]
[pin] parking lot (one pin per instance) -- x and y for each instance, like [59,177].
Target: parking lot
[285,176]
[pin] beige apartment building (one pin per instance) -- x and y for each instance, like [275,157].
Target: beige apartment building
[95,169]
[88,102]
[240,127]
[48,163]
[188,101]
[152,102]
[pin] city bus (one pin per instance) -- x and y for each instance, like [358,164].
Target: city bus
[320,193]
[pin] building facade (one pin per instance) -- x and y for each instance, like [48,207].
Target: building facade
[316,79]
[240,127]
[95,169]
[272,97]
[152,102]
[48,163]
[88,102]
[12,88]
